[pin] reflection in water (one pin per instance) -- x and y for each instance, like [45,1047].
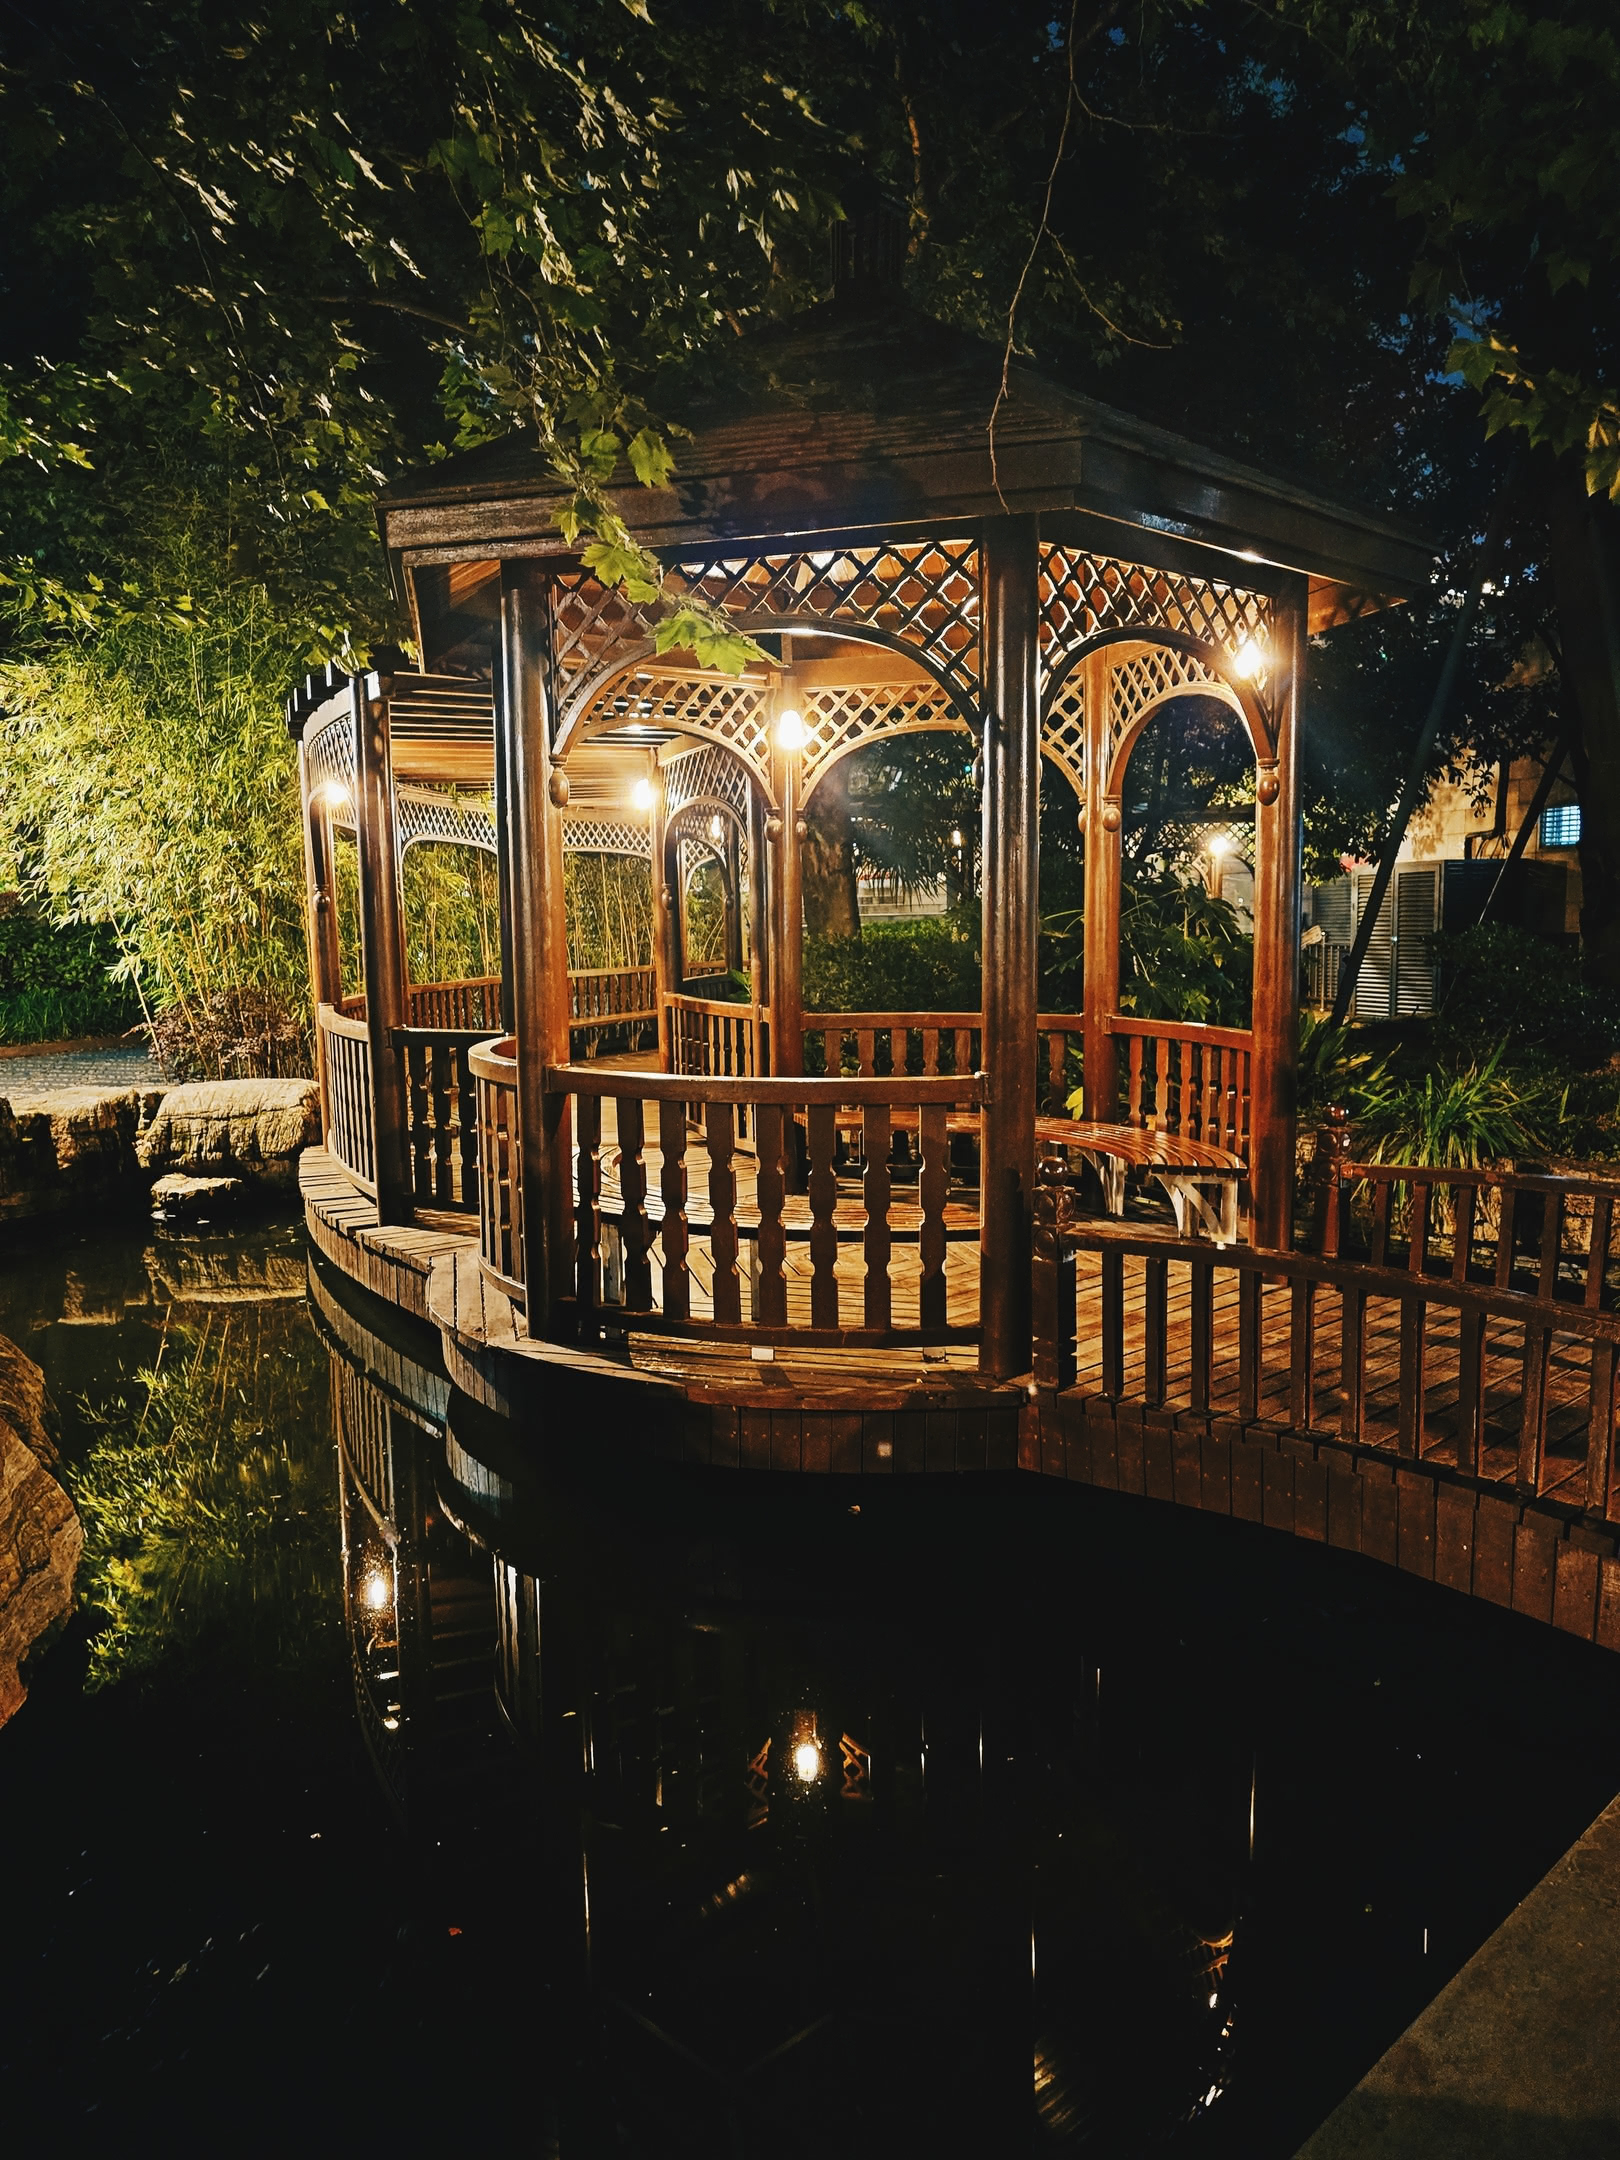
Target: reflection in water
[706,1815]
[825,1823]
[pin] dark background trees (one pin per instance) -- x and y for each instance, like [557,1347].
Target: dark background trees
[254,259]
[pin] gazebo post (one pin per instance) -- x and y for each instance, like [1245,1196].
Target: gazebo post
[536,791]
[759,955]
[666,972]
[501,818]
[734,898]
[1279,840]
[1100,967]
[1011,900]
[325,956]
[787,961]
[382,944]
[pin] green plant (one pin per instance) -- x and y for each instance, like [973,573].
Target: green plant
[1183,954]
[1502,984]
[1462,1120]
[931,965]
[56,980]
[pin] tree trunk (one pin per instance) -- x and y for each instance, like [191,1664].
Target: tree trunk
[831,908]
[1585,552]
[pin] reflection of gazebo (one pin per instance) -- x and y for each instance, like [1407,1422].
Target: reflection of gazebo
[1049,607]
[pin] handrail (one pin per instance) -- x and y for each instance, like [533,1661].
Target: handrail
[969,1089]
[1415,1363]
[346,1024]
[1198,1031]
[350,1134]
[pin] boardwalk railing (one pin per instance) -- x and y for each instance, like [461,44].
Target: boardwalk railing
[607,997]
[470,1007]
[1185,1079]
[721,1267]
[1493,1382]
[500,1184]
[346,1053]
[441,1114]
[720,1041]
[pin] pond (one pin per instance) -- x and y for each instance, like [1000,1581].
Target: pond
[428,1788]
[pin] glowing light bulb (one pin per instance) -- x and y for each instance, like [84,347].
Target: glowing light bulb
[1249,660]
[807,1762]
[376,1590]
[790,729]
[956,836]
[716,827]
[642,794]
[1220,845]
[336,798]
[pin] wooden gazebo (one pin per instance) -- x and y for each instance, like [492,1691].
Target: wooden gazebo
[1046,603]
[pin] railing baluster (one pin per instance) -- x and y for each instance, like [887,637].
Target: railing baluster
[866,1044]
[1552,1229]
[416,1099]
[1462,1230]
[588,1212]
[1600,1429]
[1414,1341]
[1155,1318]
[723,1203]
[1302,1354]
[1470,1388]
[1113,1322]
[1378,1253]
[1507,1198]
[466,1130]
[822,1136]
[876,1137]
[444,1184]
[933,1193]
[672,1191]
[1135,1114]
[1533,1404]
[1201,1302]
[1250,1288]
[770,1187]
[636,1227]
[1352,1363]
[1597,1251]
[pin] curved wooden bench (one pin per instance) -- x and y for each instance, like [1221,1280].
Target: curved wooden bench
[1201,1182]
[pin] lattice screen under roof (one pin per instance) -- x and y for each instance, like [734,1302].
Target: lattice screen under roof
[1139,680]
[329,760]
[1083,594]
[433,814]
[710,774]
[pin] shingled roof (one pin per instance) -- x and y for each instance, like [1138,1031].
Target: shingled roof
[866,413]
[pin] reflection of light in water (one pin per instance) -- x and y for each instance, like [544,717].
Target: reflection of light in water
[376,1590]
[807,1761]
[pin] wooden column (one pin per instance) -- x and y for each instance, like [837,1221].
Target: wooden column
[734,898]
[1101,962]
[666,965]
[759,915]
[1011,858]
[325,955]
[1278,849]
[536,792]
[503,856]
[787,959]
[382,943]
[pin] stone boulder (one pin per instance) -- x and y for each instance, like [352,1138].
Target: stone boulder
[243,1128]
[182,1200]
[40,1533]
[70,1149]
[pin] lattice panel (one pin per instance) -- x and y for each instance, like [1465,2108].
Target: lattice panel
[1138,680]
[1083,594]
[602,836]
[435,814]
[329,758]
[698,844]
[924,593]
[733,713]
[711,774]
[839,718]
[1063,732]
[591,624]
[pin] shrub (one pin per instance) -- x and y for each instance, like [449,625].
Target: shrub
[926,966]
[1460,1120]
[55,981]
[1503,985]
[1183,955]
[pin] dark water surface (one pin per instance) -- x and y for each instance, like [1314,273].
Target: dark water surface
[439,1789]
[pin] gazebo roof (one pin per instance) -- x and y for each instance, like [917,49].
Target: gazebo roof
[866,413]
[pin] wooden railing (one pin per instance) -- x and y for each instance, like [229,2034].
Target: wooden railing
[706,1036]
[1550,1236]
[346,1049]
[441,1114]
[1515,1386]
[697,1285]
[1185,1079]
[500,1185]
[602,997]
[472,1006]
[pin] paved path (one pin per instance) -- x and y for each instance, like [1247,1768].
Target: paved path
[1519,2058]
[38,1072]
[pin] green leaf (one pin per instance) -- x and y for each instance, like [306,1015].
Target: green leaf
[650,458]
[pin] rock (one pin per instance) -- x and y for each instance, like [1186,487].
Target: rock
[248,1128]
[69,1149]
[40,1534]
[177,1198]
